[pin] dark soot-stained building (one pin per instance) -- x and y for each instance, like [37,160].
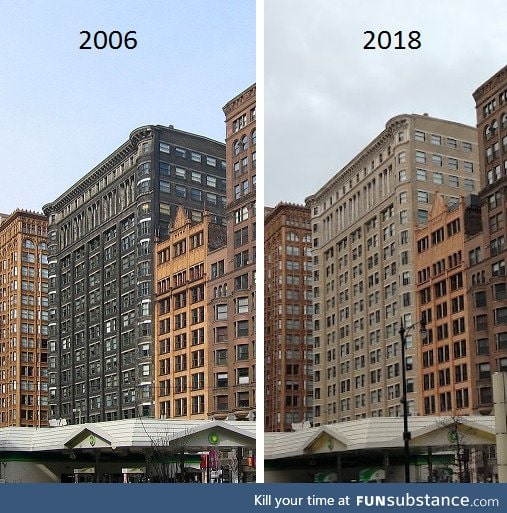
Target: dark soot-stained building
[100,243]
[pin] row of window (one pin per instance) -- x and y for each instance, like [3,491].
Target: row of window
[192,155]
[438,140]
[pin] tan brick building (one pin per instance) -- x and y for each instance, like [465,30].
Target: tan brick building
[363,225]
[23,319]
[183,353]
[445,356]
[288,308]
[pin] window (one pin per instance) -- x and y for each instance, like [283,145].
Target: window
[469,185]
[438,178]
[422,175]
[422,197]
[195,194]
[436,139]
[498,268]
[453,164]
[482,346]
[180,191]
[422,216]
[242,376]
[242,305]
[453,181]
[420,157]
[165,186]
[484,370]
[452,143]
[501,316]
[419,136]
[468,167]
[241,328]
[437,160]
[501,341]
[221,312]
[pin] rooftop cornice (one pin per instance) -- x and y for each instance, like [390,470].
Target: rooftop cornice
[487,86]
[284,206]
[358,162]
[241,98]
[99,171]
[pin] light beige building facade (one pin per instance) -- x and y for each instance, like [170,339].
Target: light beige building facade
[363,223]
[23,320]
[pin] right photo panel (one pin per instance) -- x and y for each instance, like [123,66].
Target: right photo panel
[385,291]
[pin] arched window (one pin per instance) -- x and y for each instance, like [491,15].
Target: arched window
[494,126]
[244,142]
[504,120]
[254,135]
[237,147]
[487,132]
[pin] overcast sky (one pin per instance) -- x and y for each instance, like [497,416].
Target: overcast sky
[63,110]
[326,97]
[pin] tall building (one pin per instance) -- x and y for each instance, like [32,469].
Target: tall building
[183,351]
[101,243]
[486,253]
[445,359]
[363,222]
[23,320]
[232,271]
[288,307]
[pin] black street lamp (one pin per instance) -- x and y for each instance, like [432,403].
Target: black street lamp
[406,433]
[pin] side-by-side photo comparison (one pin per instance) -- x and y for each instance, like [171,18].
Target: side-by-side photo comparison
[139,344]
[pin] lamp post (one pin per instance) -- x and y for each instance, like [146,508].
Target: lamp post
[406,433]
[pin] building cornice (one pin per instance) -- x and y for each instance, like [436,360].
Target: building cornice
[363,158]
[283,207]
[244,97]
[21,213]
[490,84]
[101,170]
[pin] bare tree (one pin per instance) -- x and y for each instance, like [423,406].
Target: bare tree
[457,436]
[165,458]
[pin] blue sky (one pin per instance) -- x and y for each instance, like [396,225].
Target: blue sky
[63,110]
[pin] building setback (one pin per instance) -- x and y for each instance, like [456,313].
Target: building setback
[101,240]
[23,320]
[486,252]
[363,223]
[183,352]
[288,307]
[232,270]
[445,357]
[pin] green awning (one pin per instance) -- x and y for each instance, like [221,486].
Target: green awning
[372,474]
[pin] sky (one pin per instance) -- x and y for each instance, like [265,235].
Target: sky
[326,97]
[63,109]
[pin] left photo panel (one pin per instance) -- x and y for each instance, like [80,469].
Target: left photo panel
[127,242]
